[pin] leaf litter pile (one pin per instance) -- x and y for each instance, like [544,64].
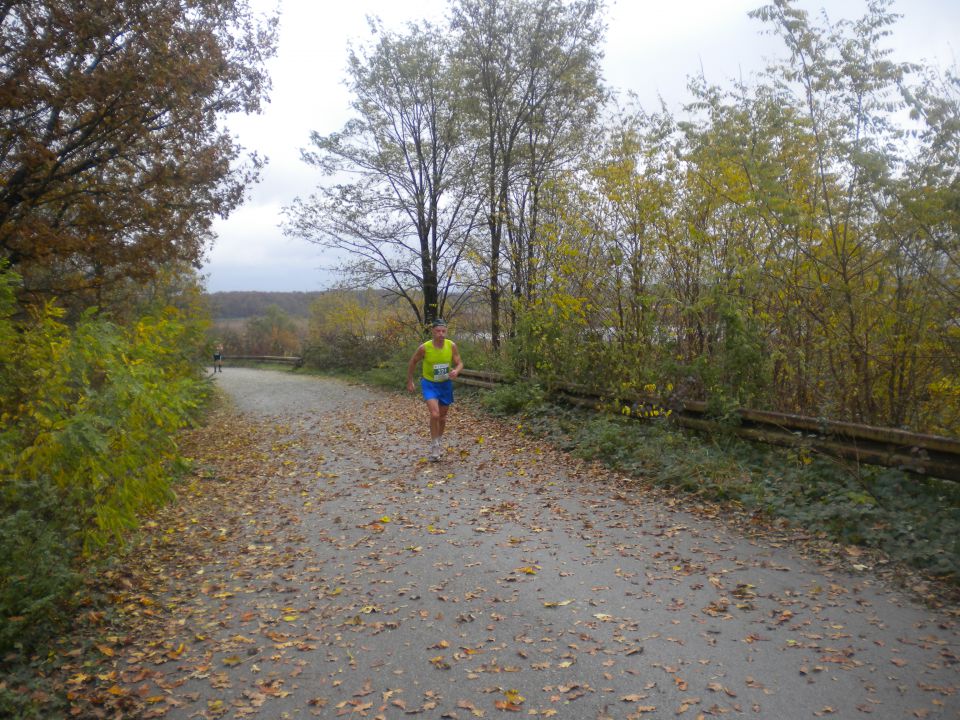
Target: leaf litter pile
[317,565]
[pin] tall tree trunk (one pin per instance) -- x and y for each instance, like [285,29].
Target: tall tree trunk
[494,289]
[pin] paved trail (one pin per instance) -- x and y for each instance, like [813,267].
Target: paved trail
[346,576]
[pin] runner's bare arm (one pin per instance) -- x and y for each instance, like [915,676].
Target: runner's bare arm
[417,358]
[457,362]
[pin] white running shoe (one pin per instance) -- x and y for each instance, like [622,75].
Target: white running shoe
[435,451]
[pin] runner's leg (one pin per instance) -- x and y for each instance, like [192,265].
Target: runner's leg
[442,419]
[436,428]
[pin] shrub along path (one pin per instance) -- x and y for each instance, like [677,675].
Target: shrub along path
[317,565]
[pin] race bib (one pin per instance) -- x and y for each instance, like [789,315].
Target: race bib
[441,371]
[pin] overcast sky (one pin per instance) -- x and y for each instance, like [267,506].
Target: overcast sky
[652,47]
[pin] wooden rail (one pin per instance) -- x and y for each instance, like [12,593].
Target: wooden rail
[917,453]
[480,378]
[283,359]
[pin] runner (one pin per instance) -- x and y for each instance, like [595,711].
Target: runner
[436,382]
[218,359]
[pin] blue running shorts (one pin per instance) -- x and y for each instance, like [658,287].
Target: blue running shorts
[442,391]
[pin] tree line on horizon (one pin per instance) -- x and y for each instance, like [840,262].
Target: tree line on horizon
[239,304]
[788,242]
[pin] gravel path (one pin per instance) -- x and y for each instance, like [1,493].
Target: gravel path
[321,567]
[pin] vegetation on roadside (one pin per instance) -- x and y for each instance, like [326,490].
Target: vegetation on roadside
[89,415]
[115,164]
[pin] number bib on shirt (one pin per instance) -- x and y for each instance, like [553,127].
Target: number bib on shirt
[436,361]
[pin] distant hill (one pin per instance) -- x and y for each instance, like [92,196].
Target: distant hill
[249,303]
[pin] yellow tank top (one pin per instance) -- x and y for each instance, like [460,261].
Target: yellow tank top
[436,361]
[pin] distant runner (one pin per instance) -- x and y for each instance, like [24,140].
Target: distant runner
[218,359]
[440,361]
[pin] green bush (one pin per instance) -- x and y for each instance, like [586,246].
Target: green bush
[36,545]
[88,421]
[390,373]
[513,398]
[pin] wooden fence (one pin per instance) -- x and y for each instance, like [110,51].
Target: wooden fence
[916,453]
[282,359]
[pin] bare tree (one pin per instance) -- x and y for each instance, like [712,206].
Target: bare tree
[403,217]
